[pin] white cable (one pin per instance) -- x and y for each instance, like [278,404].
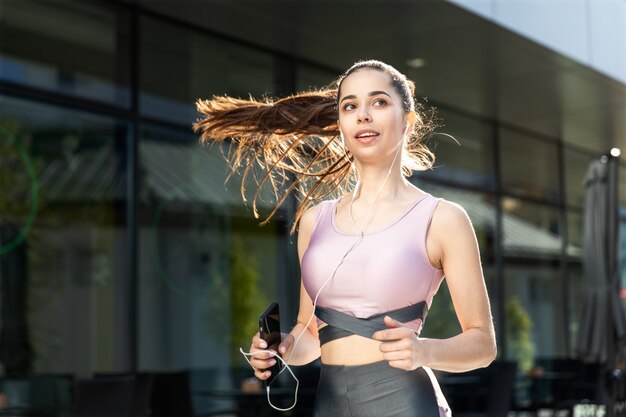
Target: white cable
[379,190]
[361,237]
[267,389]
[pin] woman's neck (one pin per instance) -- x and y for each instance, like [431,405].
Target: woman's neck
[372,180]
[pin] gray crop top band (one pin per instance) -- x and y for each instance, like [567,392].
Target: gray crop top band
[343,325]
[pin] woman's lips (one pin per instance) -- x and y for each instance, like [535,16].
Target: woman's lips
[366,136]
[367,139]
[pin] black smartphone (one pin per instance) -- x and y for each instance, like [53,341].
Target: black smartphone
[269,329]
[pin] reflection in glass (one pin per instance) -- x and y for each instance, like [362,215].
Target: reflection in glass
[576,164]
[71,268]
[468,162]
[530,229]
[207,270]
[576,287]
[68,47]
[529,166]
[311,78]
[574,234]
[179,66]
[534,311]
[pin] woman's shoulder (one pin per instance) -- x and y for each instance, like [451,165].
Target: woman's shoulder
[310,214]
[449,215]
[448,212]
[306,224]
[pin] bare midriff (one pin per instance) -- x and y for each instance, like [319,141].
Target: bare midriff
[351,350]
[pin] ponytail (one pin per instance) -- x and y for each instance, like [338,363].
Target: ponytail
[295,135]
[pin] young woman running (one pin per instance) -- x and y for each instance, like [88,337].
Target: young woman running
[373,247]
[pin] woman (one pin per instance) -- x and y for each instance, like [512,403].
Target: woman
[378,254]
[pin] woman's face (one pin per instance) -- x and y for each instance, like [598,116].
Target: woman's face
[371,117]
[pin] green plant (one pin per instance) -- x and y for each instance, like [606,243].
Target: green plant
[246,300]
[518,328]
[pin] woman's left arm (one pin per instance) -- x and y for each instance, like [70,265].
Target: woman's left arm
[455,244]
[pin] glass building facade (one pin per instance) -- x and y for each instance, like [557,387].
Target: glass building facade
[122,248]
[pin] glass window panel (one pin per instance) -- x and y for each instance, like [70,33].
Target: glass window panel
[207,270]
[179,66]
[574,234]
[534,308]
[576,165]
[471,161]
[577,288]
[63,186]
[76,48]
[529,166]
[530,229]
[309,78]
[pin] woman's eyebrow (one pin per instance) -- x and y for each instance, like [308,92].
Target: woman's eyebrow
[371,93]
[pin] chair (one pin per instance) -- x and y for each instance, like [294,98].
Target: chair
[204,381]
[503,375]
[171,395]
[562,384]
[582,383]
[110,396]
[483,392]
[142,395]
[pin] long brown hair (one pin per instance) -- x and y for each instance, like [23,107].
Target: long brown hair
[298,137]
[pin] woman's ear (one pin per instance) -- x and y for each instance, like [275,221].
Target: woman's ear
[411,118]
[340,132]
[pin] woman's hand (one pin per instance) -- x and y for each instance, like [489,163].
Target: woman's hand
[263,360]
[400,346]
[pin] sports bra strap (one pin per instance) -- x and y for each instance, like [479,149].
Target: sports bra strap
[343,325]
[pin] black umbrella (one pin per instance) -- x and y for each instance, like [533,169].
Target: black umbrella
[603,323]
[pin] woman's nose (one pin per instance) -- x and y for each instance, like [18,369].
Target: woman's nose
[363,115]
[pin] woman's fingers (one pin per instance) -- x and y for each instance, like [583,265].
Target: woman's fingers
[260,360]
[399,344]
[286,344]
[392,334]
[261,365]
[263,375]
[258,342]
[261,354]
[397,355]
[401,364]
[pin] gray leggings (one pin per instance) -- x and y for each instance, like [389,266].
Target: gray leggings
[376,390]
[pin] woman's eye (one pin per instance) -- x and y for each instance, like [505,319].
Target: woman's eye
[378,102]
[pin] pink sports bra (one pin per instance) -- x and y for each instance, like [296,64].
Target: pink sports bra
[389,269]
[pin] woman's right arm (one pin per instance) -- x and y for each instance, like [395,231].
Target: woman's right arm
[308,347]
